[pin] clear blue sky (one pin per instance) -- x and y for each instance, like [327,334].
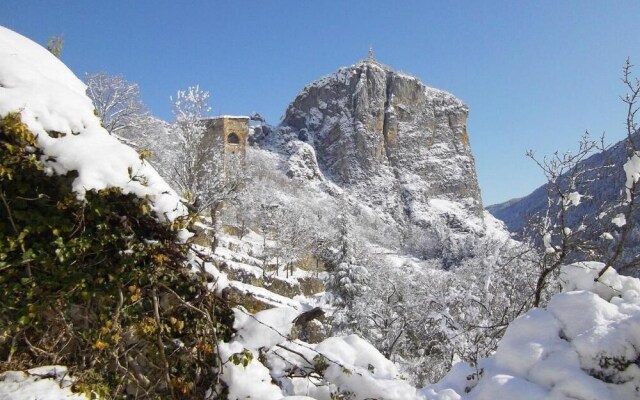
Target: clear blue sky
[535,74]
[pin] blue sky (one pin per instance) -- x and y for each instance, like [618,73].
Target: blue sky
[535,74]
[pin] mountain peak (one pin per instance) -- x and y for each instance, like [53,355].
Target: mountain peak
[394,142]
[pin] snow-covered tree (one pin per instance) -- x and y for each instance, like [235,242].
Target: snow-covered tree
[193,160]
[624,221]
[198,169]
[348,280]
[576,223]
[117,101]
[426,318]
[568,183]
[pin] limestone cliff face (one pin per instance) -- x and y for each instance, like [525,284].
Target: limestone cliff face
[394,142]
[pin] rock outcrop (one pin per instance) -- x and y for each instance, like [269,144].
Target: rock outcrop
[385,136]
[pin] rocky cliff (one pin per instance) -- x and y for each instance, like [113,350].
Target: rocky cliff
[385,136]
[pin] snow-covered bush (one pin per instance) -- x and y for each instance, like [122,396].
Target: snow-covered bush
[584,345]
[262,361]
[92,253]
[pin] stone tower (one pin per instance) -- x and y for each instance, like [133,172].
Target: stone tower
[228,135]
[229,132]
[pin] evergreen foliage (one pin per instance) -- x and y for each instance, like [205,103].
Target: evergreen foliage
[98,284]
[54,45]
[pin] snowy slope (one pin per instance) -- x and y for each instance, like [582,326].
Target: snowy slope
[52,103]
[552,353]
[265,351]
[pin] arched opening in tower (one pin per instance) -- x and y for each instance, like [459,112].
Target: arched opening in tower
[233,138]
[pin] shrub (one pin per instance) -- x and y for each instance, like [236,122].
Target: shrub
[98,284]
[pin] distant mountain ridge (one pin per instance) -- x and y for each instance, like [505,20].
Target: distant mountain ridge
[603,190]
[607,189]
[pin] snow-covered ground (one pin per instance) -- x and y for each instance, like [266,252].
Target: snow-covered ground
[47,382]
[584,345]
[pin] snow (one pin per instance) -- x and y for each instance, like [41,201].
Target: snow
[371,374]
[266,328]
[228,117]
[584,345]
[632,171]
[437,210]
[48,382]
[351,365]
[573,199]
[619,220]
[546,239]
[581,276]
[246,382]
[50,98]
[302,161]
[297,398]
[266,296]
[606,236]
[184,235]
[494,227]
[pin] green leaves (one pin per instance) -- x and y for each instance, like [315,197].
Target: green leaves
[243,358]
[75,259]
[320,364]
